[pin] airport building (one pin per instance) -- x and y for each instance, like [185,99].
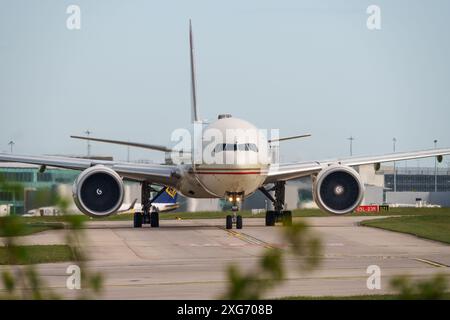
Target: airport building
[31,180]
[416,179]
[406,186]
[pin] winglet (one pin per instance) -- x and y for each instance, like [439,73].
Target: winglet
[194,112]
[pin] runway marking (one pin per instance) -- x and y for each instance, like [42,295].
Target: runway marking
[248,238]
[432,263]
[204,245]
[334,244]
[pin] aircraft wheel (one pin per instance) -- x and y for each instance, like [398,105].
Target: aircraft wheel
[154,219]
[270,219]
[239,222]
[137,220]
[229,222]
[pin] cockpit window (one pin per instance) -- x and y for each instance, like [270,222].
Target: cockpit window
[229,147]
[236,147]
[252,147]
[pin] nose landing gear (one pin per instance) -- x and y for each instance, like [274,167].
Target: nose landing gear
[235,218]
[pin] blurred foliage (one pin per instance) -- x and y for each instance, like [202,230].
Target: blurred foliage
[25,282]
[19,282]
[303,244]
[270,269]
[252,285]
[435,288]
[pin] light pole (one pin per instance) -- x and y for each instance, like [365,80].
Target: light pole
[351,145]
[88,133]
[435,168]
[11,145]
[128,152]
[394,141]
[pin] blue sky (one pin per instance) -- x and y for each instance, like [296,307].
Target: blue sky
[300,66]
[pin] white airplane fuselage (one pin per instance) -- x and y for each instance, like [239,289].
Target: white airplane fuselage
[235,161]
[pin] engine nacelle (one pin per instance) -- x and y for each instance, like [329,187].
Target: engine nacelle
[338,189]
[98,191]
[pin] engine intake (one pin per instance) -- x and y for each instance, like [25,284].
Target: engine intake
[338,189]
[98,191]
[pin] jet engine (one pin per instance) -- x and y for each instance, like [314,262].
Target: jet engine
[98,191]
[338,189]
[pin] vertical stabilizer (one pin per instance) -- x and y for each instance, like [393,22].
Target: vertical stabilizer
[194,111]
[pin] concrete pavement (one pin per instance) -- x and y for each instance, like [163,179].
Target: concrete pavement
[187,259]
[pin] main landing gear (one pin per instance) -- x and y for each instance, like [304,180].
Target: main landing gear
[235,218]
[149,214]
[277,215]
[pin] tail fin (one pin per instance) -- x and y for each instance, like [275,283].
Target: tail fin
[168,196]
[194,112]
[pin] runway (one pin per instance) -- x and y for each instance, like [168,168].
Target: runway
[187,259]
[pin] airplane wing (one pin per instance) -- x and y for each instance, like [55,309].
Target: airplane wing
[288,171]
[155,173]
[289,138]
[127,143]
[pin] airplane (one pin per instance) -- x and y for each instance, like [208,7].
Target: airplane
[337,186]
[166,202]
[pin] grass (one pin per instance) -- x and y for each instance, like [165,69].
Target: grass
[36,254]
[295,213]
[432,226]
[35,227]
[245,214]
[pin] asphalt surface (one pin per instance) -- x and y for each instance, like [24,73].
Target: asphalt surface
[188,259]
